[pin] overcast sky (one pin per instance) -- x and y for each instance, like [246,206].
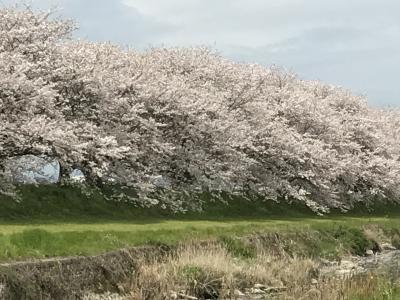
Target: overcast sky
[351,43]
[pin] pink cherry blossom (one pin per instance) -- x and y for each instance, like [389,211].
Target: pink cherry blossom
[202,121]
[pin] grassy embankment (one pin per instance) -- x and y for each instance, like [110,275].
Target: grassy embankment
[58,221]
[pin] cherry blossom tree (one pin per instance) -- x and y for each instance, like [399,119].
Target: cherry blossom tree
[203,122]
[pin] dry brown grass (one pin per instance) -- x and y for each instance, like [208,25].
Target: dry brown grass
[376,234]
[212,272]
[360,287]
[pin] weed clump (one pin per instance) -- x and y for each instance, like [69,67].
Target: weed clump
[352,239]
[238,248]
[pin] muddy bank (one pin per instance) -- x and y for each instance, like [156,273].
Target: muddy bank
[71,278]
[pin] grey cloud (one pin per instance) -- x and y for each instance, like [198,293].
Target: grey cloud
[361,60]
[106,20]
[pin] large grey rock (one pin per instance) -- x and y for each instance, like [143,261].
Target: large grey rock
[77,175]
[238,293]
[369,252]
[31,169]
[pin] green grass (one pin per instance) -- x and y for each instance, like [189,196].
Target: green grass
[61,221]
[19,241]
[371,287]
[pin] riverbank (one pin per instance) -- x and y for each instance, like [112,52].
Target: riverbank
[57,242]
[258,266]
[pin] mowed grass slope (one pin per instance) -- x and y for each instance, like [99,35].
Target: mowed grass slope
[61,221]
